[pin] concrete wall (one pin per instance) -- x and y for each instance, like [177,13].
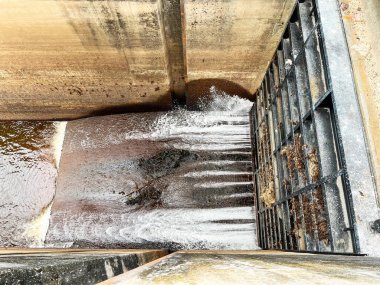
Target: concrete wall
[361,19]
[67,59]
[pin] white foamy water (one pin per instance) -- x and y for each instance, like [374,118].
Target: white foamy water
[221,126]
[222,162]
[200,161]
[29,158]
[222,119]
[222,184]
[216,173]
[36,230]
[192,228]
[58,139]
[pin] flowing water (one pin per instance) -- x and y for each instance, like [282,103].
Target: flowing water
[29,155]
[180,179]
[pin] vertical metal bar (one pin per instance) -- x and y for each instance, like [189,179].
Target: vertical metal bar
[309,143]
[280,112]
[284,227]
[252,117]
[288,226]
[315,85]
[289,66]
[265,246]
[267,233]
[262,233]
[302,222]
[303,105]
[294,223]
[313,55]
[270,227]
[274,225]
[278,227]
[284,94]
[329,164]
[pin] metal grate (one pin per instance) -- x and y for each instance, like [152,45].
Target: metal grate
[302,191]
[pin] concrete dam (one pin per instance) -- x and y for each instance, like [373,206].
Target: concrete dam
[189,142]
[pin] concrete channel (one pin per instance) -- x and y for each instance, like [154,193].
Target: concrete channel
[189,142]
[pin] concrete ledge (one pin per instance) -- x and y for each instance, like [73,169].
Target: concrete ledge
[253,267]
[50,266]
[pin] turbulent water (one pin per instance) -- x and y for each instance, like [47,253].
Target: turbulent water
[180,179]
[29,155]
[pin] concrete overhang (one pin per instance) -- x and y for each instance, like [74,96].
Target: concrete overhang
[69,59]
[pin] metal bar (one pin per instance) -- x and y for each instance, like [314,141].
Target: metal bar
[278,223]
[252,119]
[267,229]
[302,217]
[284,94]
[269,218]
[289,227]
[311,186]
[284,233]
[313,57]
[313,65]
[329,165]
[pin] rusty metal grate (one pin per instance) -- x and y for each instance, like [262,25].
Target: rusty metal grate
[302,193]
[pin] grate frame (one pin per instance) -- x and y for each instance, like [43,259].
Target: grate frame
[301,182]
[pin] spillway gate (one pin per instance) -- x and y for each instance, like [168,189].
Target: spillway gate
[303,193]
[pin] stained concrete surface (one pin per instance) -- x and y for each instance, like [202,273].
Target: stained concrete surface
[69,59]
[261,267]
[233,40]
[361,20]
[69,267]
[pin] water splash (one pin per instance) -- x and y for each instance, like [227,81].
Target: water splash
[216,173]
[58,139]
[180,179]
[220,115]
[27,181]
[219,101]
[36,230]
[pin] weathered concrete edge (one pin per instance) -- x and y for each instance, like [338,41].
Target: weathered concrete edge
[19,250]
[120,279]
[352,135]
[101,265]
[171,18]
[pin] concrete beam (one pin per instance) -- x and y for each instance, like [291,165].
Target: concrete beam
[233,40]
[171,12]
[69,59]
